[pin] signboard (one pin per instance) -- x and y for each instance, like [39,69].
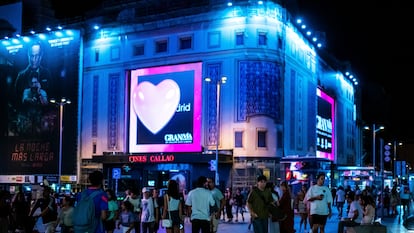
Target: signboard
[39,68]
[165,109]
[325,123]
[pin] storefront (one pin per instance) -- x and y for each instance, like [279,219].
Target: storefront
[155,169]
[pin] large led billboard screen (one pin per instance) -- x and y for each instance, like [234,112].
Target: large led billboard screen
[325,122]
[165,109]
[35,69]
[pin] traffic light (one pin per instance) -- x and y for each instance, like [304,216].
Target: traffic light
[213,165]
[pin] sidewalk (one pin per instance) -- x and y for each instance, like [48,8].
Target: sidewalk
[393,225]
[331,227]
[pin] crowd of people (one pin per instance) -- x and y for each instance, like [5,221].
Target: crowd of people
[205,207]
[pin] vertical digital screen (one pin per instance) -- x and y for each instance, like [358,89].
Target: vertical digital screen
[36,69]
[325,126]
[165,109]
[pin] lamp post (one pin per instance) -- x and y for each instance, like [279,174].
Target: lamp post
[63,101]
[394,161]
[374,132]
[220,81]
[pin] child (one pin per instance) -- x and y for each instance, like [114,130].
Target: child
[126,217]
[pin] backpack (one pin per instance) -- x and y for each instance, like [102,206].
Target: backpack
[84,218]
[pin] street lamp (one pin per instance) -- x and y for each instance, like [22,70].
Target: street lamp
[220,81]
[374,132]
[394,161]
[63,101]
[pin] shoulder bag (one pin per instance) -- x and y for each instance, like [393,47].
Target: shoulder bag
[167,223]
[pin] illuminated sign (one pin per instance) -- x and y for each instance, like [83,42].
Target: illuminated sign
[165,109]
[151,158]
[40,67]
[325,126]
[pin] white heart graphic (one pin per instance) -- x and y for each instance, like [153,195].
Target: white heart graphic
[156,105]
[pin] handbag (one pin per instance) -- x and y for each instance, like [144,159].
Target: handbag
[167,223]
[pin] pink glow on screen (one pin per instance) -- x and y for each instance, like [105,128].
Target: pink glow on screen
[167,86]
[331,101]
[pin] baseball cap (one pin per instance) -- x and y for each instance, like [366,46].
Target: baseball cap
[145,189]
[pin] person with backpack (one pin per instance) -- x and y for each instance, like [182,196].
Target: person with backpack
[91,207]
[48,208]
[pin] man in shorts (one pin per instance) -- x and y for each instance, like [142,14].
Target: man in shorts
[320,198]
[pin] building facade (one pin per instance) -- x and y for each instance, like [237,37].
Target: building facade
[284,101]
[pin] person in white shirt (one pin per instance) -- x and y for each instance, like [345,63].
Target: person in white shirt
[320,198]
[355,213]
[149,212]
[200,202]
[340,201]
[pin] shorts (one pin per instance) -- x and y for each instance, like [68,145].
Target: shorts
[319,219]
[214,224]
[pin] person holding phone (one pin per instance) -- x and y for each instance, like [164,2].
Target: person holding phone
[320,198]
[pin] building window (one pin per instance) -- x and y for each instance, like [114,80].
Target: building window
[186,42]
[115,53]
[161,46]
[214,39]
[240,38]
[96,55]
[238,139]
[261,139]
[138,50]
[262,38]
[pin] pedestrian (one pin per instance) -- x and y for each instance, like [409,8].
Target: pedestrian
[20,213]
[274,226]
[340,200]
[228,204]
[219,204]
[285,203]
[320,198]
[48,207]
[135,200]
[172,208]
[199,202]
[239,202]
[257,202]
[160,202]
[149,211]
[301,207]
[65,216]
[100,201]
[355,213]
[113,213]
[127,217]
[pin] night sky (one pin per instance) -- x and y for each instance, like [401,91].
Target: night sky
[373,36]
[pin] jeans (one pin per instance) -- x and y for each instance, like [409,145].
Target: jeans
[260,225]
[198,224]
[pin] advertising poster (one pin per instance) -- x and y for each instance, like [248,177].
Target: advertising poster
[34,70]
[325,126]
[165,109]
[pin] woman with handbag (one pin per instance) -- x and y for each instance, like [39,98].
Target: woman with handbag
[172,208]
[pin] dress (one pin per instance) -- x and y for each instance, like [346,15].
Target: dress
[286,226]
